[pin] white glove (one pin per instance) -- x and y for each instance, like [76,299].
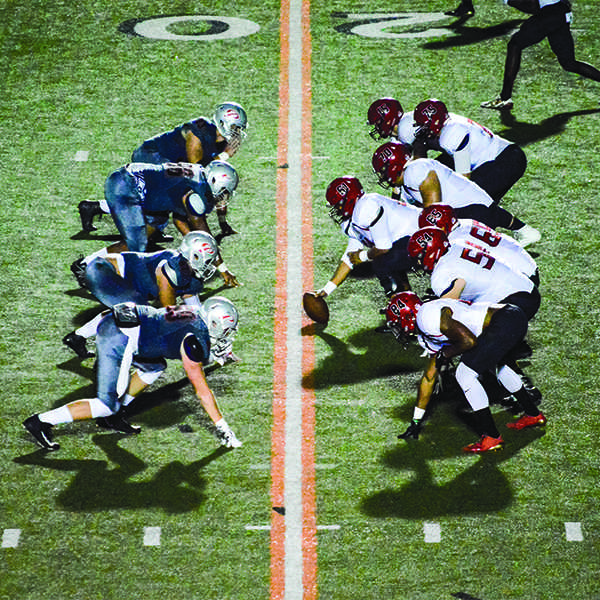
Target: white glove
[226,435]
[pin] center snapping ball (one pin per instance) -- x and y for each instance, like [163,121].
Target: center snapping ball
[316,307]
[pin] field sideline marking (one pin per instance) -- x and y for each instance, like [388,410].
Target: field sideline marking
[10,538]
[152,536]
[293,527]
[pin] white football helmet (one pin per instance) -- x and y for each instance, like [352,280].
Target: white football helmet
[221,318]
[201,251]
[230,119]
[222,179]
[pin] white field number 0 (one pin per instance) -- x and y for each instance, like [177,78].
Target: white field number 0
[370,25]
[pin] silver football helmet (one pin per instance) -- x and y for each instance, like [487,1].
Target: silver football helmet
[201,251]
[221,318]
[230,119]
[222,179]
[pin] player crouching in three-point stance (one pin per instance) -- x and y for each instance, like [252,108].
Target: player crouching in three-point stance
[484,335]
[144,337]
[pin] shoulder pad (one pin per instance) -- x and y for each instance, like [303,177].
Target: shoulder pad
[192,348]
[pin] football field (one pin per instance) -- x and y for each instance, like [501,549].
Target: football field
[322,500]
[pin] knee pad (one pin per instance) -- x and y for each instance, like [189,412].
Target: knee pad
[509,379]
[148,377]
[468,379]
[99,409]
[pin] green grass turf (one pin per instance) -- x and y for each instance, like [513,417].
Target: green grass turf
[71,81]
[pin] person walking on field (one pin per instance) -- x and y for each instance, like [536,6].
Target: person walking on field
[549,19]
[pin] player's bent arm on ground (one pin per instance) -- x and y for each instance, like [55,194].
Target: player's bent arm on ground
[431,190]
[458,285]
[195,373]
[342,271]
[427,383]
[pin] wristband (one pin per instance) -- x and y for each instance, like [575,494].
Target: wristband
[222,268]
[347,261]
[363,256]
[329,287]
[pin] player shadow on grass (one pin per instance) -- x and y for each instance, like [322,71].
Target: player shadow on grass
[465,36]
[523,133]
[383,357]
[175,488]
[480,488]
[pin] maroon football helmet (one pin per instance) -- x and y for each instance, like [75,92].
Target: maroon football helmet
[430,116]
[427,245]
[389,161]
[384,114]
[342,194]
[401,312]
[438,215]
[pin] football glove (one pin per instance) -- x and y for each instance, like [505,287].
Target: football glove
[412,431]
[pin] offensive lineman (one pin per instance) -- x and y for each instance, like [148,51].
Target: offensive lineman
[490,161]
[483,335]
[378,229]
[426,181]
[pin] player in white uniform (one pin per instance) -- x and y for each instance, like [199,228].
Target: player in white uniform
[487,159]
[480,236]
[483,335]
[378,229]
[426,181]
[462,272]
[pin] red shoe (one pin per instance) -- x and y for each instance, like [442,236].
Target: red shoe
[485,444]
[528,421]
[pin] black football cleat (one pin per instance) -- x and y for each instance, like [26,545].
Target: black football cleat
[87,211]
[77,343]
[78,268]
[42,432]
[117,422]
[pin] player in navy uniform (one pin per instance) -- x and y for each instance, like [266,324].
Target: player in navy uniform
[141,197]
[144,337]
[549,19]
[199,141]
[145,278]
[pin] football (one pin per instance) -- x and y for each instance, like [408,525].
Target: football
[316,307]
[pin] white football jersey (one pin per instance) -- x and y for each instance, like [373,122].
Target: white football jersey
[481,145]
[472,316]
[378,221]
[502,246]
[487,278]
[457,191]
